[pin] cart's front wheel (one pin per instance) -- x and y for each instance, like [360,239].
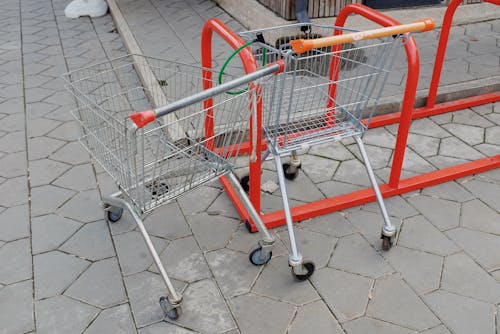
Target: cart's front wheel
[291,172]
[115,214]
[303,271]
[170,312]
[386,243]
[256,257]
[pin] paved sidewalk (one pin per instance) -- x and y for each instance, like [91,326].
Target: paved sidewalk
[171,29]
[65,269]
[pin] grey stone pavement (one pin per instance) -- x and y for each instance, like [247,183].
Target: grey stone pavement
[65,269]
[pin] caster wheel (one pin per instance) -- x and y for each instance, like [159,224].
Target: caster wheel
[245,183]
[291,172]
[309,267]
[171,313]
[115,214]
[255,256]
[386,243]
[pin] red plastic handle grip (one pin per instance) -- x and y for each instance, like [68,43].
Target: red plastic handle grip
[143,118]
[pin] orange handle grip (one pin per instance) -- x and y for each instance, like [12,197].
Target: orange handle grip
[143,118]
[303,45]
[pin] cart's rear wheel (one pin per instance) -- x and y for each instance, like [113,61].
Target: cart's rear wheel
[291,172]
[307,271]
[255,256]
[386,243]
[245,182]
[170,312]
[115,214]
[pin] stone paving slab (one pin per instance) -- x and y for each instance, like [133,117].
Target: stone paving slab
[462,314]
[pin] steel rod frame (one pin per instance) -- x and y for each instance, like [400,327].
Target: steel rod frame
[396,185]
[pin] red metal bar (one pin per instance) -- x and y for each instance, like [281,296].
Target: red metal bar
[238,205]
[305,211]
[411,83]
[441,108]
[441,51]
[249,65]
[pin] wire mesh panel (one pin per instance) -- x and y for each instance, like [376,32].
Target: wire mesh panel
[323,94]
[173,155]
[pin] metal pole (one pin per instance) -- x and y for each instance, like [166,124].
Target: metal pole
[389,230]
[175,297]
[250,209]
[208,93]
[295,256]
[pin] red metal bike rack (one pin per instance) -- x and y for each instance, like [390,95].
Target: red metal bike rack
[396,185]
[431,108]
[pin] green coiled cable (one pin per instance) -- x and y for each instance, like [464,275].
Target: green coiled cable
[228,60]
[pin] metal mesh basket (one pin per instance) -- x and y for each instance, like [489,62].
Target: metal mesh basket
[324,94]
[170,156]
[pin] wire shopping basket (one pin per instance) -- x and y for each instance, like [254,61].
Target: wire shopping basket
[166,158]
[189,138]
[325,93]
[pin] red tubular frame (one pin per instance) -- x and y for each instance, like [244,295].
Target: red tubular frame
[249,65]
[431,108]
[443,43]
[396,185]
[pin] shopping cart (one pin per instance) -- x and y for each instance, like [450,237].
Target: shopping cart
[329,90]
[157,155]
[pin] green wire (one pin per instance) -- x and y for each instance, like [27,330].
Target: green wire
[228,60]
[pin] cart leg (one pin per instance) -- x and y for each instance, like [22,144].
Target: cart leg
[291,169]
[389,230]
[300,269]
[261,253]
[171,305]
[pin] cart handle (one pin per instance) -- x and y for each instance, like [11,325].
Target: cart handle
[143,118]
[303,45]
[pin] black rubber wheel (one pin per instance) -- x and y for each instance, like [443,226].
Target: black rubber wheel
[255,259]
[309,266]
[291,172]
[245,183]
[115,214]
[249,227]
[171,313]
[386,243]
